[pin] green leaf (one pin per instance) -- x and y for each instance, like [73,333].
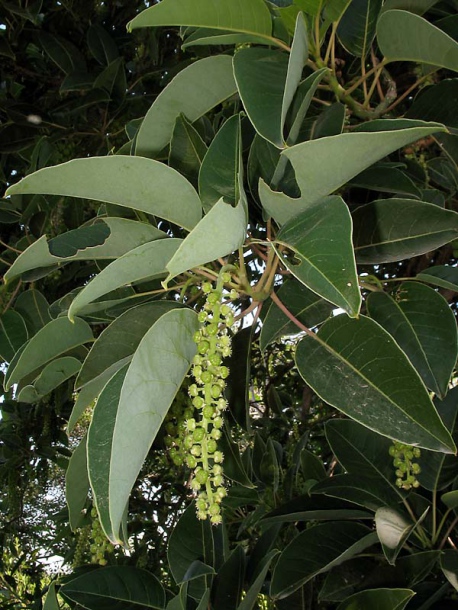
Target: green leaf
[238,382]
[403,36]
[77,484]
[423,325]
[378,599]
[251,596]
[210,36]
[121,338]
[13,334]
[321,239]
[450,499]
[191,539]
[437,103]
[250,16]
[56,338]
[385,179]
[193,92]
[356,30]
[132,182]
[315,551]
[444,276]
[305,305]
[229,582]
[34,308]
[368,492]
[348,154]
[311,466]
[115,586]
[330,122]
[357,367]
[218,234]
[62,52]
[102,46]
[187,149]
[261,77]
[233,465]
[100,447]
[145,262]
[220,166]
[414,6]
[389,230]
[279,206]
[449,565]
[393,530]
[297,59]
[155,374]
[53,375]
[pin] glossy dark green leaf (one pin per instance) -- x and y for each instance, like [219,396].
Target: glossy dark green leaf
[193,92]
[444,276]
[311,466]
[61,51]
[450,499]
[437,103]
[261,76]
[101,44]
[155,374]
[251,596]
[226,15]
[305,305]
[115,587]
[330,122]
[77,484]
[348,154]
[13,334]
[220,166]
[449,565]
[34,308]
[386,179]
[229,582]
[378,599]
[56,338]
[187,149]
[321,239]
[404,36]
[191,539]
[113,80]
[371,493]
[238,382]
[100,446]
[389,230]
[424,326]
[356,29]
[357,367]
[121,338]
[145,262]
[315,551]
[120,179]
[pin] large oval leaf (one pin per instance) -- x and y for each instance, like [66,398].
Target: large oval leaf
[250,16]
[423,325]
[356,29]
[321,239]
[145,262]
[13,334]
[348,154]
[154,376]
[193,92]
[133,182]
[357,367]
[389,230]
[315,551]
[218,234]
[56,338]
[404,36]
[114,587]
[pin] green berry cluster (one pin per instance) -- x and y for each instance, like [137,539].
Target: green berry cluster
[81,547]
[100,545]
[176,438]
[209,373]
[406,468]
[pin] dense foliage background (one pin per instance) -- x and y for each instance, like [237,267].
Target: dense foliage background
[349,232]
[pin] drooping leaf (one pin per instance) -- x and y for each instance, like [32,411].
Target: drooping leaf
[77,484]
[218,234]
[121,338]
[393,530]
[251,16]
[305,305]
[378,599]
[145,262]
[187,149]
[53,375]
[155,374]
[389,230]
[220,166]
[115,586]
[193,92]
[56,338]
[356,29]
[321,239]
[423,325]
[133,182]
[408,37]
[13,334]
[357,367]
[444,276]
[315,551]
[348,154]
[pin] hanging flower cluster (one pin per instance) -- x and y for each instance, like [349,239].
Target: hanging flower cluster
[406,468]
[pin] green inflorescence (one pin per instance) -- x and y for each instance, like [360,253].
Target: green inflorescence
[100,545]
[406,468]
